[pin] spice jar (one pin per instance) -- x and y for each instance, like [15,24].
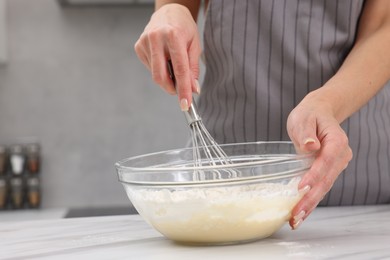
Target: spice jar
[3,193]
[17,159]
[17,192]
[33,158]
[33,192]
[3,160]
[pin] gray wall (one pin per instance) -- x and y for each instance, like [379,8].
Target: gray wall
[74,83]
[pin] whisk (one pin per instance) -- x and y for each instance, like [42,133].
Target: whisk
[202,141]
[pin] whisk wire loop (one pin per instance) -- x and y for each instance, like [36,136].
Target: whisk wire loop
[203,142]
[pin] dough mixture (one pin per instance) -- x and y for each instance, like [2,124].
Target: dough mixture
[217,214]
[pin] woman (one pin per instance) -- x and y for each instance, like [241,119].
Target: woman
[313,71]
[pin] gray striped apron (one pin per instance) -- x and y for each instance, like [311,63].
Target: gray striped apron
[263,57]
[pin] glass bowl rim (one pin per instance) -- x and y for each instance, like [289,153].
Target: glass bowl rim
[120,167]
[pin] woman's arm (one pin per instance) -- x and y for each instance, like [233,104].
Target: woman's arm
[172,34]
[192,5]
[314,125]
[367,67]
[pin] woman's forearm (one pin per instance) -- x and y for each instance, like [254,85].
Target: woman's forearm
[192,5]
[367,67]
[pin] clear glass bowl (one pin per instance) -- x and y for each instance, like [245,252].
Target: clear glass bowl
[247,200]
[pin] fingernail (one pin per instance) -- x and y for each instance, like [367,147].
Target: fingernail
[299,216]
[197,87]
[309,140]
[305,189]
[184,104]
[297,224]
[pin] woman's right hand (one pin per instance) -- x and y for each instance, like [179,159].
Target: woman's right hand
[172,34]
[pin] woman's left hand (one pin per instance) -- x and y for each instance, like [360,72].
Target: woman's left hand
[313,127]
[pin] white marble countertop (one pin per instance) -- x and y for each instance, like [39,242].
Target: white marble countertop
[329,233]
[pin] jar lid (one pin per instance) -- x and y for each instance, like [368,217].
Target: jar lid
[32,148]
[16,149]
[33,182]
[16,181]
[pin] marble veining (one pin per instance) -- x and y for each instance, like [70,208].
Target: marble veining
[360,232]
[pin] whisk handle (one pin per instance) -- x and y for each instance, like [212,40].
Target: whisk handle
[191,115]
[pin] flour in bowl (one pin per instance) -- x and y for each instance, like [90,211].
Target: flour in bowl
[217,214]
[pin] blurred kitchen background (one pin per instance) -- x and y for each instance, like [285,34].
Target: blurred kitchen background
[72,86]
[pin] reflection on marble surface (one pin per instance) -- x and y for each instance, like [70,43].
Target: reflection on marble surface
[329,233]
[32,214]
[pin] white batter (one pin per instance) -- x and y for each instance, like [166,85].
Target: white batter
[217,215]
